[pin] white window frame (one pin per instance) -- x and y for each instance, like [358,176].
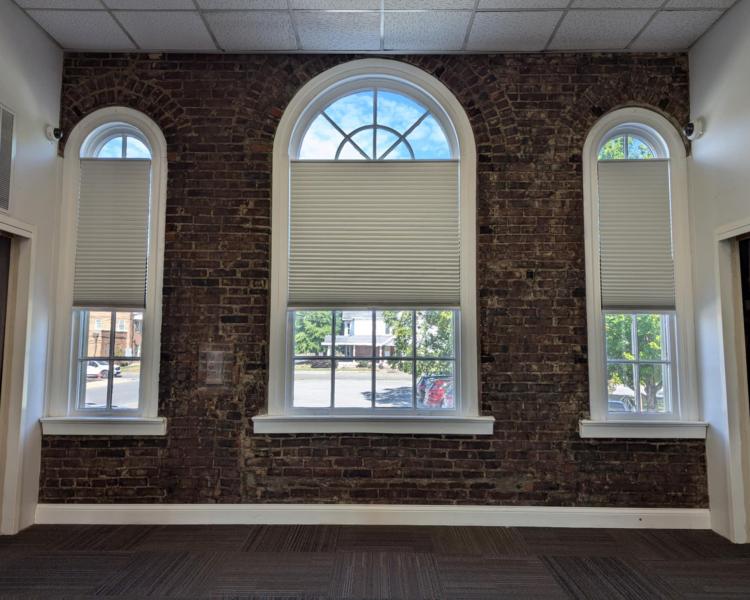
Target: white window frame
[684,421]
[310,99]
[63,416]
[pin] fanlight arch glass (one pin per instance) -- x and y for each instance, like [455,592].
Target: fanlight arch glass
[375,124]
[632,141]
[116,140]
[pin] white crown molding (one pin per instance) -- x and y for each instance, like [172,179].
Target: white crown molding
[372,514]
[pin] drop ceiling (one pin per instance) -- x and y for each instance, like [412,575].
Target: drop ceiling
[376,26]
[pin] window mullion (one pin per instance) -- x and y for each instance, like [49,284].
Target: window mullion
[414,359]
[333,359]
[111,356]
[375,360]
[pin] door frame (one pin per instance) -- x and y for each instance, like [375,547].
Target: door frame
[16,427]
[737,459]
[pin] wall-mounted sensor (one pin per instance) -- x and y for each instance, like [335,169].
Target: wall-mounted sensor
[54,134]
[693,130]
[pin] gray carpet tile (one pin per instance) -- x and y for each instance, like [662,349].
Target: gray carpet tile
[593,578]
[374,562]
[292,538]
[475,577]
[385,575]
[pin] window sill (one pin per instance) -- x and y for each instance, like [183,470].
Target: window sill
[389,424]
[694,430]
[103,425]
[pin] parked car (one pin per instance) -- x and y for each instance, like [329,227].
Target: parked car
[436,391]
[100,370]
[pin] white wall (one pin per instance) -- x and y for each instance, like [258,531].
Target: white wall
[30,82]
[720,195]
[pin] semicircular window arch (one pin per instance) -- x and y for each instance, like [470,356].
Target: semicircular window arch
[375,123]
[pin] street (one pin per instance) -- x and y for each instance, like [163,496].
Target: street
[124,391]
[312,388]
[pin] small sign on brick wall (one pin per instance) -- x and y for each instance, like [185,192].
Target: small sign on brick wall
[216,364]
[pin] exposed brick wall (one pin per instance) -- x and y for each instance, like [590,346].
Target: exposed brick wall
[530,115]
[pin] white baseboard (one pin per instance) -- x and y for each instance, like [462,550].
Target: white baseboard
[372,514]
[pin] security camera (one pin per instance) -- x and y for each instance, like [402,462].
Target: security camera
[54,134]
[693,130]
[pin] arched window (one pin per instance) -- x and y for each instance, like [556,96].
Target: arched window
[116,140]
[110,274]
[639,322]
[377,123]
[373,317]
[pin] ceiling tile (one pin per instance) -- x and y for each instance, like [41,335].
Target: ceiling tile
[338,30]
[83,29]
[70,4]
[252,30]
[151,4]
[242,4]
[428,4]
[510,31]
[599,29]
[675,29]
[524,4]
[617,3]
[425,30]
[155,30]
[700,3]
[336,4]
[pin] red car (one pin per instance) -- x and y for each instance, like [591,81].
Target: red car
[438,392]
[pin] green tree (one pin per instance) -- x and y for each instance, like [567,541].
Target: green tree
[434,338]
[620,346]
[310,329]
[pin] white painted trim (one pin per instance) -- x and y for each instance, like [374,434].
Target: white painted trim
[369,424]
[59,402]
[393,69]
[372,514]
[13,402]
[104,426]
[733,456]
[686,408]
[694,430]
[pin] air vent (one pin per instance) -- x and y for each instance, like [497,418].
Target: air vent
[6,156]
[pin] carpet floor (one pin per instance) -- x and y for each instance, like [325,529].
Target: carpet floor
[317,562]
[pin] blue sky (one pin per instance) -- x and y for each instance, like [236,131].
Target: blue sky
[356,110]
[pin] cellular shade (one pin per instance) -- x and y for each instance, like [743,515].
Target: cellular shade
[112,236]
[374,233]
[635,235]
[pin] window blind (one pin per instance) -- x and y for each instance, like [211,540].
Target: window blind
[112,237]
[6,156]
[635,235]
[374,233]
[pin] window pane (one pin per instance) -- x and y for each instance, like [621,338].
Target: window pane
[125,384]
[137,149]
[354,333]
[428,140]
[312,383]
[112,149]
[99,333]
[614,149]
[353,384]
[435,388]
[96,374]
[312,332]
[321,140]
[352,111]
[651,345]
[638,149]
[619,336]
[394,332]
[364,140]
[393,384]
[349,152]
[385,140]
[128,334]
[620,389]
[654,383]
[435,333]
[397,111]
